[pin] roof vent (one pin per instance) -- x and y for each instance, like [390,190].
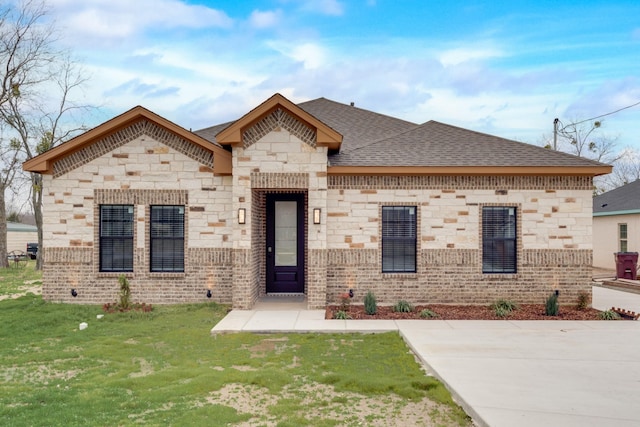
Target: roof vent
[353,103]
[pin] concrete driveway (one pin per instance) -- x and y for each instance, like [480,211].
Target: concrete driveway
[507,373]
[536,373]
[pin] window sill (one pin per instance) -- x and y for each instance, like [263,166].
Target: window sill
[400,274]
[504,276]
[167,274]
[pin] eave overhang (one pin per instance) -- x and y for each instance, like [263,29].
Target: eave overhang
[471,170]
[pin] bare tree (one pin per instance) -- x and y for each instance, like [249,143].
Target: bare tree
[10,160]
[584,139]
[38,122]
[36,80]
[25,53]
[626,170]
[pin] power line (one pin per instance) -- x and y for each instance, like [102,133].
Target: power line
[604,115]
[556,121]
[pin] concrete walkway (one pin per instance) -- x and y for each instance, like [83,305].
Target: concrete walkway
[505,373]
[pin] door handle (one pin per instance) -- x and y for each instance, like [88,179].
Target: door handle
[269,249]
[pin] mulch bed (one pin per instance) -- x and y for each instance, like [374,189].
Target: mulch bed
[469,312]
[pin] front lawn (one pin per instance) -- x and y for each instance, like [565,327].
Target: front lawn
[164,368]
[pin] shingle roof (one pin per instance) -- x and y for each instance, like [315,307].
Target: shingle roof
[438,144]
[625,198]
[211,132]
[358,127]
[373,139]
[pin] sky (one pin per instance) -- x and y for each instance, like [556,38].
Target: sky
[506,68]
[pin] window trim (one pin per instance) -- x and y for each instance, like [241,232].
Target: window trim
[153,240]
[102,239]
[414,239]
[515,239]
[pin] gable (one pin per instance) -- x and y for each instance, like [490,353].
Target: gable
[279,110]
[122,129]
[125,136]
[276,120]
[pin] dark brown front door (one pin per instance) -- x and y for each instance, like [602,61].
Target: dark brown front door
[285,243]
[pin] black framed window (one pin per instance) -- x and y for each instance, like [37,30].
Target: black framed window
[116,238]
[399,239]
[167,238]
[499,239]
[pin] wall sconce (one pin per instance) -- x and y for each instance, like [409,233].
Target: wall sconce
[316,215]
[208,293]
[74,293]
[242,216]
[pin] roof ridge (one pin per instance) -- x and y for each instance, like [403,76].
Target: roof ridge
[376,141]
[359,108]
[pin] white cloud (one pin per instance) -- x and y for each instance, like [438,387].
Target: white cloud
[326,7]
[311,55]
[118,19]
[465,54]
[266,19]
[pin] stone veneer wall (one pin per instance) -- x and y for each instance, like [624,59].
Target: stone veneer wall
[554,238]
[143,165]
[140,165]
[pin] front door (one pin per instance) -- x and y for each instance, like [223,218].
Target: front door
[285,243]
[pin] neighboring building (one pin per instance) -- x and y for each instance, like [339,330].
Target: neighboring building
[314,198]
[18,235]
[616,224]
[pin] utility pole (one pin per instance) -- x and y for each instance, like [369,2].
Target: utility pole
[555,134]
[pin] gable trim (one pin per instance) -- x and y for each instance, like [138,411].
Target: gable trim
[44,163]
[325,136]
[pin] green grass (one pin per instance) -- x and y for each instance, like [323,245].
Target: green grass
[12,280]
[164,368]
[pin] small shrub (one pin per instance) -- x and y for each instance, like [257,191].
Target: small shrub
[552,306]
[500,311]
[428,314]
[505,305]
[125,292]
[370,304]
[583,301]
[403,306]
[608,315]
[342,315]
[124,303]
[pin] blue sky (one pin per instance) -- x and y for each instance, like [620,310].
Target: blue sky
[503,67]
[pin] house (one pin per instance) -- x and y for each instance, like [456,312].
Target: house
[616,224]
[313,198]
[18,235]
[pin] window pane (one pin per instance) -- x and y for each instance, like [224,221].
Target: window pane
[116,238]
[499,244]
[167,238]
[623,230]
[399,239]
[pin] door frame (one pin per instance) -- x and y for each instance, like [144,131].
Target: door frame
[271,286]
